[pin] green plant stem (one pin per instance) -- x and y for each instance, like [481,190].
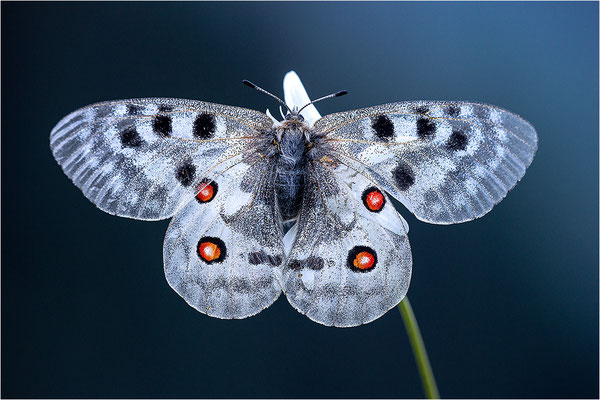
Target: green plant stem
[418,347]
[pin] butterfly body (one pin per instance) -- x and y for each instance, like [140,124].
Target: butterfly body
[299,207]
[293,144]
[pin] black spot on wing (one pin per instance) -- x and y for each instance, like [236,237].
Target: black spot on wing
[383,126]
[204,126]
[133,109]
[453,111]
[457,141]
[260,257]
[256,258]
[165,109]
[315,263]
[130,137]
[425,128]
[186,173]
[403,176]
[312,262]
[421,110]
[162,125]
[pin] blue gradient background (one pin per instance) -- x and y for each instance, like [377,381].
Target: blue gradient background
[508,304]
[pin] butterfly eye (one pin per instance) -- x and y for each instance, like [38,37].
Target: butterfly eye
[288,116]
[300,117]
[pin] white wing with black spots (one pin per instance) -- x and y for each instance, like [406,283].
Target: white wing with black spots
[351,260]
[143,158]
[447,162]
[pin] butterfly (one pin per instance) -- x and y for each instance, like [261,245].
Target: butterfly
[300,206]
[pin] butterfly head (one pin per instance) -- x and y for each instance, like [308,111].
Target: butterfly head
[293,113]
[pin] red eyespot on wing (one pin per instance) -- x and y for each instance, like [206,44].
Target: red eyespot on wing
[205,194]
[211,249]
[206,191]
[364,260]
[373,199]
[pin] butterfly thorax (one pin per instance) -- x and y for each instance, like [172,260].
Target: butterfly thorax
[292,144]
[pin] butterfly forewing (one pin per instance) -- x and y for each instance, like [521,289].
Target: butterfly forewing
[447,162]
[144,158]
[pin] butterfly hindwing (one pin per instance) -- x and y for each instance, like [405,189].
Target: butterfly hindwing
[351,260]
[447,162]
[143,158]
[223,251]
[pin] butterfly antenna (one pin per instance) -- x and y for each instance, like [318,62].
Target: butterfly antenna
[338,94]
[253,86]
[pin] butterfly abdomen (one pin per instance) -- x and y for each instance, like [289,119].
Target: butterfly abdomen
[289,171]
